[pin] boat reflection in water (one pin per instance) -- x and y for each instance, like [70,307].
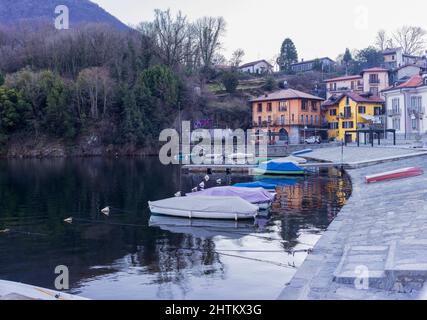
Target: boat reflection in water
[207,229]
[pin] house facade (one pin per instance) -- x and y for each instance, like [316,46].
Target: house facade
[372,81]
[256,67]
[288,115]
[396,58]
[351,111]
[406,103]
[325,64]
[339,85]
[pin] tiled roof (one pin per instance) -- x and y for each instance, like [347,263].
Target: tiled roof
[249,64]
[344,78]
[412,82]
[286,94]
[375,70]
[359,98]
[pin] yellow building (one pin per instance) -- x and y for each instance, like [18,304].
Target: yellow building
[351,111]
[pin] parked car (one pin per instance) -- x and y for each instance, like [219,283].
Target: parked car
[313,140]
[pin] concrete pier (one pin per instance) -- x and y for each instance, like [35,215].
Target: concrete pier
[376,248]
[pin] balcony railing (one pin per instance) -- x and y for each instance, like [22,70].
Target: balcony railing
[347,115]
[416,109]
[374,81]
[394,112]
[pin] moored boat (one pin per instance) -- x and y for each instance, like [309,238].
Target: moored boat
[395,174]
[256,184]
[278,168]
[204,207]
[19,291]
[257,196]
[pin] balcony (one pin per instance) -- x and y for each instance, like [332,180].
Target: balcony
[374,81]
[417,110]
[347,115]
[394,112]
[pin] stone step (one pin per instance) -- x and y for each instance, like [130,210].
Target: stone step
[400,266]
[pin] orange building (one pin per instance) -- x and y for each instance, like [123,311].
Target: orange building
[288,114]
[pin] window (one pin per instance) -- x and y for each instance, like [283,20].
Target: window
[259,107]
[317,119]
[395,105]
[378,111]
[374,91]
[311,119]
[333,125]
[313,106]
[302,119]
[269,119]
[282,120]
[393,57]
[333,112]
[362,109]
[347,112]
[416,103]
[396,124]
[347,124]
[259,120]
[373,78]
[414,124]
[347,101]
[304,105]
[283,106]
[306,119]
[335,86]
[293,117]
[269,107]
[352,85]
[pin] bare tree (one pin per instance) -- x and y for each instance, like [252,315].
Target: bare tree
[237,58]
[411,39]
[381,40]
[171,33]
[209,31]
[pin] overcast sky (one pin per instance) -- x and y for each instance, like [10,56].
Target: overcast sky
[318,27]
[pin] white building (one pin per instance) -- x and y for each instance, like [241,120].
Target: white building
[257,67]
[406,103]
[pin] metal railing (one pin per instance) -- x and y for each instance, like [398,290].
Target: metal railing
[416,109]
[394,112]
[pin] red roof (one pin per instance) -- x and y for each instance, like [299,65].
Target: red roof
[359,98]
[285,94]
[344,78]
[375,70]
[413,82]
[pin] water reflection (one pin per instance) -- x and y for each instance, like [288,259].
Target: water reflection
[129,256]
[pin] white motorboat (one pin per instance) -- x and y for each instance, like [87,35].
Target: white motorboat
[202,207]
[19,291]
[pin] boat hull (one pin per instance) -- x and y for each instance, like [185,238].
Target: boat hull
[393,175]
[201,214]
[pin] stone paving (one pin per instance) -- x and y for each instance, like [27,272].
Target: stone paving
[381,230]
[354,155]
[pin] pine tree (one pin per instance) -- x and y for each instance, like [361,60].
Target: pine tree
[288,55]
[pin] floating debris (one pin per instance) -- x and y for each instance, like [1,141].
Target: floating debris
[219,181]
[202,185]
[106,211]
[178,194]
[5,231]
[207,178]
[69,220]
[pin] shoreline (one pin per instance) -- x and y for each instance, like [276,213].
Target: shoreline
[375,229]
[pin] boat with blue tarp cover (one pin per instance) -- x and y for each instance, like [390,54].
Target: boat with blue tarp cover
[278,168]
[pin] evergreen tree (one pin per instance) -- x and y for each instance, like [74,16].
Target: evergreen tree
[288,55]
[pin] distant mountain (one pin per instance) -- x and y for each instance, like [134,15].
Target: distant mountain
[81,11]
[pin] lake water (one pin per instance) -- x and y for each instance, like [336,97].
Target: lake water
[129,256]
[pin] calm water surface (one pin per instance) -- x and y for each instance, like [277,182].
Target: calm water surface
[130,256]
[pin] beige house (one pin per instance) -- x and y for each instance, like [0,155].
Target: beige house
[375,80]
[336,86]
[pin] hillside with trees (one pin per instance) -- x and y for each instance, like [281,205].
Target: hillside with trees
[95,89]
[13,12]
